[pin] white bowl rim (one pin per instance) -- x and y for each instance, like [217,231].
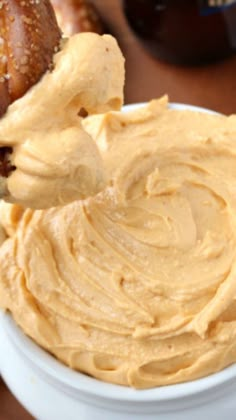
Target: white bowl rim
[97,388]
[172,105]
[80,382]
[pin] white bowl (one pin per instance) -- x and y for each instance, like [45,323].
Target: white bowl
[51,391]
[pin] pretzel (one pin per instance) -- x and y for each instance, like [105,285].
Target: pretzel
[29,36]
[77,16]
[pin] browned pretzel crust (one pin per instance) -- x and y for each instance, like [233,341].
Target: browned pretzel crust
[29,35]
[78,16]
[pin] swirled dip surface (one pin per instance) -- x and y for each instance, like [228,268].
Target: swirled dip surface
[56,160]
[136,285]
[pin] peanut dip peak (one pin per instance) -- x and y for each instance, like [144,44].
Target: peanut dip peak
[53,160]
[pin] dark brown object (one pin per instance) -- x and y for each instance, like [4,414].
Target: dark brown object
[77,16]
[5,163]
[183,31]
[29,36]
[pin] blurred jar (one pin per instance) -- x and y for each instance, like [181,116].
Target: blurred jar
[185,31]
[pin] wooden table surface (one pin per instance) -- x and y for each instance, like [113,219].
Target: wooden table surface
[212,86]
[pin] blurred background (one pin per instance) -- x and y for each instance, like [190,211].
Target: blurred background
[211,85]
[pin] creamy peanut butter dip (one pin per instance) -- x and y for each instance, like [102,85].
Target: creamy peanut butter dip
[136,285]
[56,160]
